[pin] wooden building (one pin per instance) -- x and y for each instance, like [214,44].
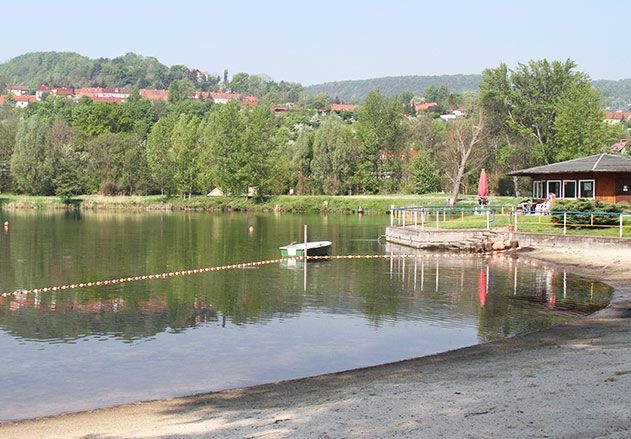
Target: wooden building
[605,177]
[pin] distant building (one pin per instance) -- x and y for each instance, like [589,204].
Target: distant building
[620,146]
[426,106]
[617,117]
[153,94]
[224,97]
[42,91]
[338,108]
[17,90]
[251,101]
[22,101]
[63,91]
[100,94]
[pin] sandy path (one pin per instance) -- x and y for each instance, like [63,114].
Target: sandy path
[569,381]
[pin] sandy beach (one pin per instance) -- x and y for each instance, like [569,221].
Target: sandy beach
[572,380]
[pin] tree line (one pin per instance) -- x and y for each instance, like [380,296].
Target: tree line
[538,113]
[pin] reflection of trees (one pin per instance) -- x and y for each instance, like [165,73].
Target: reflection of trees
[52,249]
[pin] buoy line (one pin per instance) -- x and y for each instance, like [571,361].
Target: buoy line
[166,275]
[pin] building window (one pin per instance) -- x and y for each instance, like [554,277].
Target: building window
[554,187]
[569,188]
[586,189]
[538,189]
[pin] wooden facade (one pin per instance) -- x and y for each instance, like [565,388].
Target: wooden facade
[605,177]
[613,188]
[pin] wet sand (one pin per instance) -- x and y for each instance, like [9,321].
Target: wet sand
[572,380]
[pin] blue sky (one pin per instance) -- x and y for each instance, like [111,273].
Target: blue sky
[319,41]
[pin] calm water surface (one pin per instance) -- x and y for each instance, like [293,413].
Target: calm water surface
[81,349]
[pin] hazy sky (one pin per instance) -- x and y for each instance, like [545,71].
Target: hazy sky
[325,40]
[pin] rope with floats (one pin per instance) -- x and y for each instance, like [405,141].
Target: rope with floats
[166,275]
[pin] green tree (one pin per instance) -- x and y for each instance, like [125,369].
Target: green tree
[380,129]
[8,130]
[185,155]
[335,157]
[179,91]
[33,162]
[578,127]
[238,148]
[423,175]
[302,155]
[159,156]
[527,100]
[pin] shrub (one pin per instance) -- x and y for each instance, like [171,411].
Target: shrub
[587,206]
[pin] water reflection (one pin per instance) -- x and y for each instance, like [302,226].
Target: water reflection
[506,294]
[224,329]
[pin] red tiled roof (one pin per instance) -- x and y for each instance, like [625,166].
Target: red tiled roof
[153,94]
[343,107]
[25,98]
[618,115]
[225,95]
[63,91]
[107,99]
[425,106]
[1,99]
[619,145]
[17,87]
[250,100]
[43,88]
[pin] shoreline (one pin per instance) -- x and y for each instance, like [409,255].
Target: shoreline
[342,204]
[568,380]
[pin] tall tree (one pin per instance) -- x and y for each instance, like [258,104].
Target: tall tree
[380,130]
[223,157]
[158,154]
[464,141]
[578,127]
[527,100]
[335,157]
[185,155]
[240,147]
[33,162]
[179,91]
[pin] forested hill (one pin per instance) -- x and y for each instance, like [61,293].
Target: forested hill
[68,69]
[617,94]
[357,90]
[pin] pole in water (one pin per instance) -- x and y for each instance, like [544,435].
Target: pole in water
[305,260]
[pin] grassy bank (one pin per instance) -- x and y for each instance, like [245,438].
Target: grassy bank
[371,204]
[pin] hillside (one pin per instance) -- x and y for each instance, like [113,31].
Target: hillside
[617,94]
[357,90]
[67,69]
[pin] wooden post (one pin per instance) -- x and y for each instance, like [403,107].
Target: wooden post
[305,261]
[437,219]
[621,221]
[515,212]
[488,220]
[391,215]
[415,219]
[405,212]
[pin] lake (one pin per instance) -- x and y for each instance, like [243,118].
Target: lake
[85,348]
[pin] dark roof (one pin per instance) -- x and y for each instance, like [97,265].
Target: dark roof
[595,163]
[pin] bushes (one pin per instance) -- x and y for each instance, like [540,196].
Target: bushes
[588,206]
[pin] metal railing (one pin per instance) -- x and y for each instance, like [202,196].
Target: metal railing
[614,224]
[435,216]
